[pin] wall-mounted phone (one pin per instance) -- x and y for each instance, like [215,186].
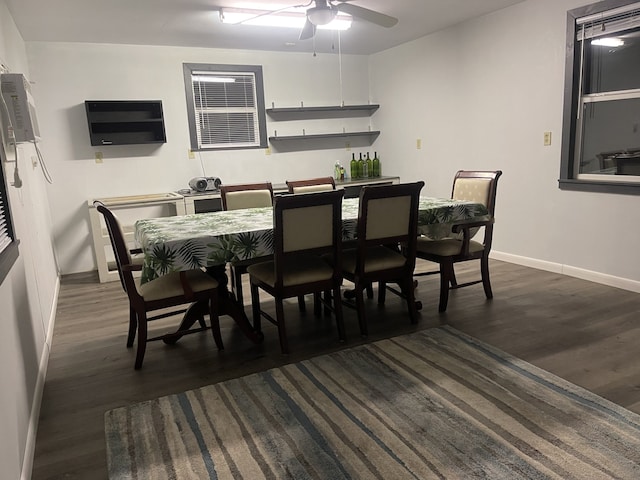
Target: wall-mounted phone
[16,93]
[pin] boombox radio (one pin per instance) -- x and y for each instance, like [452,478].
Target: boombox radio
[205,184]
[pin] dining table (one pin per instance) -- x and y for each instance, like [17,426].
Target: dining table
[211,240]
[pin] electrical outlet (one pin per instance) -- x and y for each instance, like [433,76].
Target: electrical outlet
[98,157]
[418,144]
[547,139]
[191,154]
[34,161]
[348,146]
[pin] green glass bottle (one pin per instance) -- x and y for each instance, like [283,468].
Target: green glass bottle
[369,164]
[360,166]
[353,166]
[376,165]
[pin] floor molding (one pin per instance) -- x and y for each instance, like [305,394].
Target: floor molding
[30,446]
[597,277]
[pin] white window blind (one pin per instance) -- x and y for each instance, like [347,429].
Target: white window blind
[225,109]
[6,236]
[609,22]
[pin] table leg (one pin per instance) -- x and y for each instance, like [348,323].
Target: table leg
[227,305]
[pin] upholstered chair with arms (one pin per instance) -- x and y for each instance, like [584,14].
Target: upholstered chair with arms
[236,197]
[307,240]
[478,187]
[387,218]
[171,290]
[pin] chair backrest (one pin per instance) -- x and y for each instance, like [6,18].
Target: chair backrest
[120,250]
[307,224]
[388,215]
[248,195]
[477,186]
[320,184]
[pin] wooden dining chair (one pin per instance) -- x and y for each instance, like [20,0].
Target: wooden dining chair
[387,218]
[307,239]
[171,290]
[475,186]
[319,184]
[239,196]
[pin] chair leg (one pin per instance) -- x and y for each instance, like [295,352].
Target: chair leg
[142,339]
[369,291]
[486,282]
[382,292]
[282,331]
[133,325]
[255,307]
[337,308]
[408,293]
[446,272]
[327,301]
[453,281]
[215,320]
[301,305]
[317,304]
[362,319]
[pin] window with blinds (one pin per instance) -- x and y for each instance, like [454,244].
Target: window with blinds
[8,243]
[601,133]
[225,104]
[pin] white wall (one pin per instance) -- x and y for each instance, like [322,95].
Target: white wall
[28,295]
[68,74]
[480,96]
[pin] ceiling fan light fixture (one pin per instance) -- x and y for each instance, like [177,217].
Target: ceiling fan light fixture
[237,16]
[321,15]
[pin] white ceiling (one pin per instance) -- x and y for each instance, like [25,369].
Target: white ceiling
[195,23]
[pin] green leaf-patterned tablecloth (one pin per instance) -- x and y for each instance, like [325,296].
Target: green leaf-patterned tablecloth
[206,239]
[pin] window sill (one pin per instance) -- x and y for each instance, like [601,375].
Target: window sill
[599,186]
[7,258]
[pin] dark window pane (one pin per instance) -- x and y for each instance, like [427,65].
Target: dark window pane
[610,68]
[611,137]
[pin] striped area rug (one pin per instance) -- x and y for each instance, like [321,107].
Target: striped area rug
[433,404]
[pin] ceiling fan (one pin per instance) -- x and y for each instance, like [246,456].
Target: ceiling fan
[325,11]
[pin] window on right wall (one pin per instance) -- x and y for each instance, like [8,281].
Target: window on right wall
[601,127]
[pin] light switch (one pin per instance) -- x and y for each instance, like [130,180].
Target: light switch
[418,143]
[98,157]
[191,154]
[547,139]
[267,151]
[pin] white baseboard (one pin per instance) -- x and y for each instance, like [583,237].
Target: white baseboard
[597,277]
[30,447]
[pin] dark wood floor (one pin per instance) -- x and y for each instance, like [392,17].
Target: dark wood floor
[584,332]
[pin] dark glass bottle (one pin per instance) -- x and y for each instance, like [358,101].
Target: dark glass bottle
[376,165]
[369,164]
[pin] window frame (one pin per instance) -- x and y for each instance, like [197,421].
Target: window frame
[10,253]
[568,176]
[261,135]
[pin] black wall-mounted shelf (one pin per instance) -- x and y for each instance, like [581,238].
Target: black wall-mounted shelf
[125,122]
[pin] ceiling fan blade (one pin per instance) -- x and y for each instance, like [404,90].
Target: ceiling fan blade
[366,14]
[308,31]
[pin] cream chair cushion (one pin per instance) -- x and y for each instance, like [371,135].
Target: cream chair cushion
[472,189]
[169,285]
[305,269]
[383,220]
[447,247]
[308,227]
[377,258]
[248,199]
[324,187]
